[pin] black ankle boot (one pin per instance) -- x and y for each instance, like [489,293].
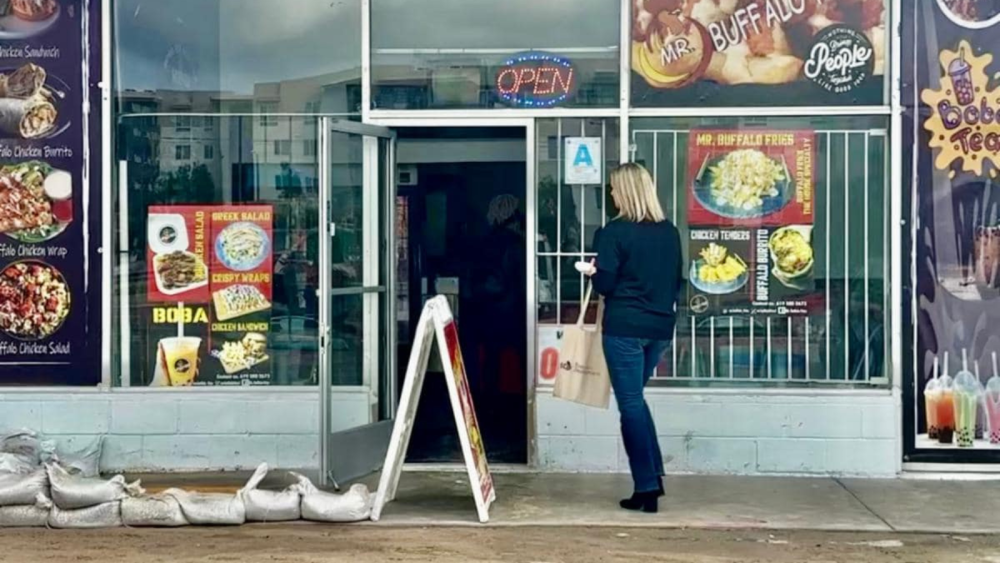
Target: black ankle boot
[661,491]
[646,502]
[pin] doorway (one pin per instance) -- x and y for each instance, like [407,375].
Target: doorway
[461,219]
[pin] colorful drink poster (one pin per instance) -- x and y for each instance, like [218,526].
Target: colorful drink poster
[44,297]
[950,166]
[210,280]
[758,53]
[750,215]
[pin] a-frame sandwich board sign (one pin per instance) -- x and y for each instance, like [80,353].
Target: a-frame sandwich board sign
[437,324]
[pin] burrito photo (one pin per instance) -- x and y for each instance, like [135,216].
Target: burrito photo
[29,119]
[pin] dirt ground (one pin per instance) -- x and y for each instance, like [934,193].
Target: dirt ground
[302,542]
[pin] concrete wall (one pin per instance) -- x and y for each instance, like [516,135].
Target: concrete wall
[186,431]
[743,432]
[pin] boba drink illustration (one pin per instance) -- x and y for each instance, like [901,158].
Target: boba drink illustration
[980,410]
[960,72]
[966,399]
[932,396]
[991,403]
[946,406]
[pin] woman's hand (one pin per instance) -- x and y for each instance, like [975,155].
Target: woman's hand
[587,268]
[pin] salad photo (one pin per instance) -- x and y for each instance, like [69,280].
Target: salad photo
[34,300]
[242,246]
[35,201]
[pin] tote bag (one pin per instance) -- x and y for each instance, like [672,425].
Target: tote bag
[583,373]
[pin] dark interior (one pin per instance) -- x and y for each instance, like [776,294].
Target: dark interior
[446,242]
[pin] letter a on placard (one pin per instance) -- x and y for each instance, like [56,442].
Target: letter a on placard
[583,157]
[437,324]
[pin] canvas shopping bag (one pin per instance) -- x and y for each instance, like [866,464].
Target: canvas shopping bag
[583,373]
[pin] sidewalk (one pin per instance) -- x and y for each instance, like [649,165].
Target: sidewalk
[707,502]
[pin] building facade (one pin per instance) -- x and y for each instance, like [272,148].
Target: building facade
[268,196]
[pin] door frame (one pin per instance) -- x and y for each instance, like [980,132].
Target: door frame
[528,125]
[358,443]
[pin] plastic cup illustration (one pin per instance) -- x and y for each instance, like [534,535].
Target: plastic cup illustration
[960,72]
[946,407]
[932,395]
[966,399]
[180,358]
[981,410]
[991,403]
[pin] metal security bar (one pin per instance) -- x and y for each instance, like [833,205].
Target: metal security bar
[843,344]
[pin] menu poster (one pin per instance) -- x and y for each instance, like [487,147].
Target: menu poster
[751,212]
[758,53]
[241,283]
[43,300]
[735,272]
[211,286]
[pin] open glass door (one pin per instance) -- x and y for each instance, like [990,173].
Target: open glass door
[357,325]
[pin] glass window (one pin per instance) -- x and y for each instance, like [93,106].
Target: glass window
[568,214]
[756,53]
[451,53]
[226,56]
[220,252]
[786,277]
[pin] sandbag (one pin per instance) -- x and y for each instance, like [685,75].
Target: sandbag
[85,462]
[21,490]
[106,515]
[27,516]
[210,509]
[23,451]
[71,491]
[353,506]
[154,510]
[17,464]
[270,506]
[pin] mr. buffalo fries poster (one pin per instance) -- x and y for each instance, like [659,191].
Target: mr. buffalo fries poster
[751,222]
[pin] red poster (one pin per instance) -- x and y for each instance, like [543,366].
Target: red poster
[241,278]
[751,178]
[468,411]
[177,254]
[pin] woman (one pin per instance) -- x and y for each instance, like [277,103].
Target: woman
[638,271]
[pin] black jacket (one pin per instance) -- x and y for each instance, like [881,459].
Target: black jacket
[639,273]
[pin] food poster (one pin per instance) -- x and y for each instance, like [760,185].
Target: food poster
[241,283]
[211,282]
[43,300]
[468,411]
[951,167]
[751,213]
[758,53]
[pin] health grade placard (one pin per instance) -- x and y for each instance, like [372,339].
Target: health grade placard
[746,178]
[241,270]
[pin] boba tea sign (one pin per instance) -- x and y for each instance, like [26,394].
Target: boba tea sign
[965,123]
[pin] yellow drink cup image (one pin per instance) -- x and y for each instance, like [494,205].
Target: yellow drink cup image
[180,359]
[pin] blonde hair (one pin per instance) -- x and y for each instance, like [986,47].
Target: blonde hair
[634,193]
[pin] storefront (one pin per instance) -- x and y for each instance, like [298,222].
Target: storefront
[281,190]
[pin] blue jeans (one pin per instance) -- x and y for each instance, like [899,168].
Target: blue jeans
[631,362]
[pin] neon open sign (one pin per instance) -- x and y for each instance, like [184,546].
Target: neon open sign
[536,79]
